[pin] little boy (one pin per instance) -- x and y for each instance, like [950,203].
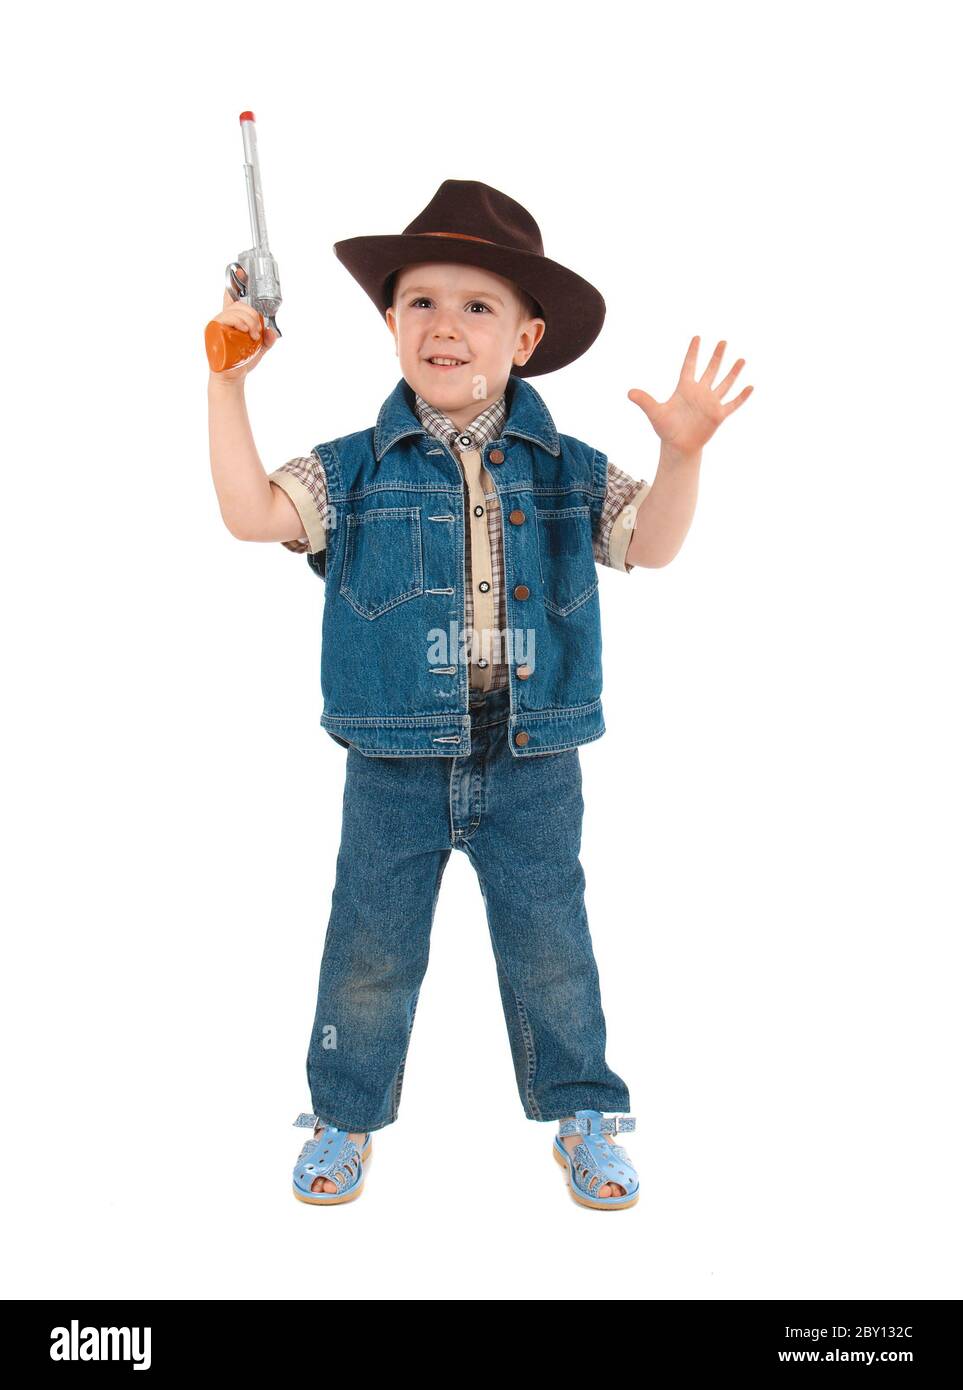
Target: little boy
[461,661]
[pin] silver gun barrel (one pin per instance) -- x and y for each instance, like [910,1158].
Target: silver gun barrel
[252,176]
[254,275]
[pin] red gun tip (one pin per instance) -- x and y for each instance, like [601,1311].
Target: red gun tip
[247,116]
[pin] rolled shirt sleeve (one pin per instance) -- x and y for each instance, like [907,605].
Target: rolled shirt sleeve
[304,482]
[623,497]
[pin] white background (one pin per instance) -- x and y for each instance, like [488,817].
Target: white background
[771,837]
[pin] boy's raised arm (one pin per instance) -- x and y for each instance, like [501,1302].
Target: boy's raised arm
[252,509]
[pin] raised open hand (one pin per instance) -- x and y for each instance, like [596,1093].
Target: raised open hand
[695,410]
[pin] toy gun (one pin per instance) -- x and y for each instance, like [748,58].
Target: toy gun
[253,276]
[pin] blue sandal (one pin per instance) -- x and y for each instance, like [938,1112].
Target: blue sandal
[595,1161]
[329,1155]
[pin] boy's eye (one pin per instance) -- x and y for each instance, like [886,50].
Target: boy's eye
[423,299]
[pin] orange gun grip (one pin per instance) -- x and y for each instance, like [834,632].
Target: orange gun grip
[228,347]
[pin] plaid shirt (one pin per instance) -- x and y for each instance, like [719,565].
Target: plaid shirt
[304,482]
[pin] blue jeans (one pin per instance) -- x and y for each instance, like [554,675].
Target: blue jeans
[519,820]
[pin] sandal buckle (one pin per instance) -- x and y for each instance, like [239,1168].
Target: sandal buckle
[617,1124]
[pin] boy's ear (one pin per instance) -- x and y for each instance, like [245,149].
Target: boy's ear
[535,334]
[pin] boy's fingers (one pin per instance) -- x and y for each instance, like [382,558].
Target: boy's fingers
[233,319]
[238,315]
[243,318]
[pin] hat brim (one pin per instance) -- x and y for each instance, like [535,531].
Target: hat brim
[573,309]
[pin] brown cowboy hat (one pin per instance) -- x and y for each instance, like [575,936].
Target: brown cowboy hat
[474,224]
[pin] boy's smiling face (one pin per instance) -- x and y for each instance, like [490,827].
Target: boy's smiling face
[465,313]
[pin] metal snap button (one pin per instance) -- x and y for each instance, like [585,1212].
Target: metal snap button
[522,591]
[516,517]
[496,456]
[523,672]
[521,738]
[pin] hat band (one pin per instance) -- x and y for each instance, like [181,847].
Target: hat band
[462,236]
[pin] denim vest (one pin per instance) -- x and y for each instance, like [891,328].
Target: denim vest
[394,669]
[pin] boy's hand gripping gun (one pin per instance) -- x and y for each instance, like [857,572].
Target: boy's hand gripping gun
[253,276]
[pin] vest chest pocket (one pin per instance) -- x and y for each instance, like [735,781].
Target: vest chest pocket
[382,559]
[565,554]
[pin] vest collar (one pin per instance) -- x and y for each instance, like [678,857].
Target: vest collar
[528,417]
